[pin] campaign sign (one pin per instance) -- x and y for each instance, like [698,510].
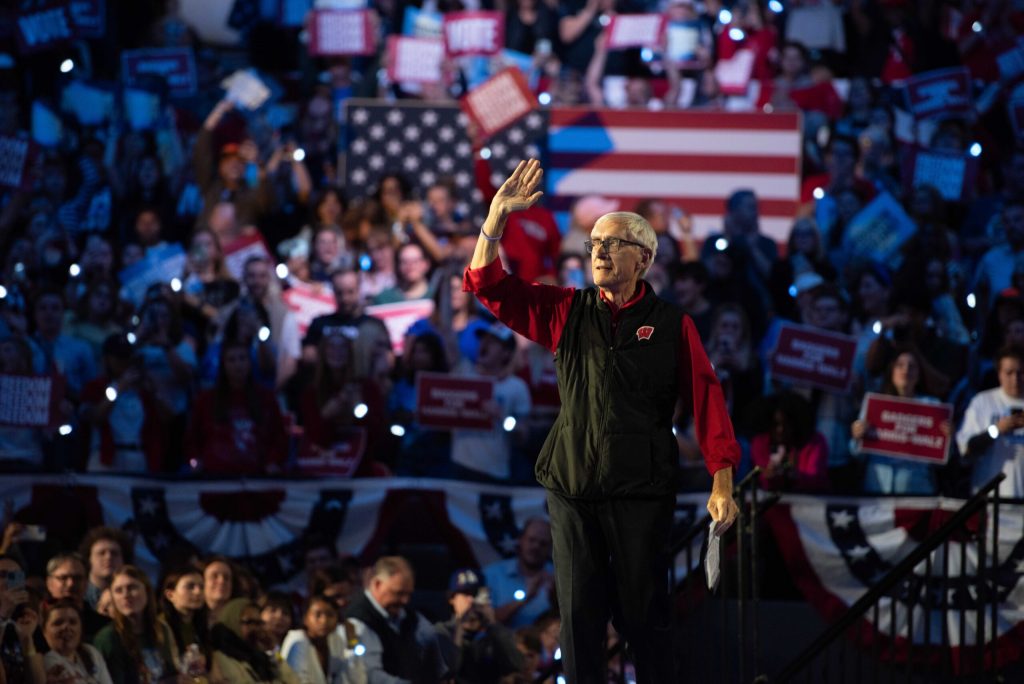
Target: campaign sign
[28,400]
[14,161]
[473,33]
[176,66]
[414,60]
[499,101]
[1016,112]
[88,18]
[941,92]
[879,230]
[1011,63]
[907,428]
[734,74]
[811,357]
[450,402]
[160,265]
[341,33]
[399,317]
[46,26]
[246,89]
[682,41]
[635,30]
[953,175]
[340,459]
[307,303]
[238,251]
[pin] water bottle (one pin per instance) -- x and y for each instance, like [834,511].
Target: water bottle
[194,664]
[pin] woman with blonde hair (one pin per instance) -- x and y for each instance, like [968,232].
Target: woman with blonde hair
[138,645]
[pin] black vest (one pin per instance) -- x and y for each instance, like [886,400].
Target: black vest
[613,435]
[401,656]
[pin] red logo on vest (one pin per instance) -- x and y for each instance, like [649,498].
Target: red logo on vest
[644,332]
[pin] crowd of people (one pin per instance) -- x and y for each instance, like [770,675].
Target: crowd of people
[94,618]
[209,372]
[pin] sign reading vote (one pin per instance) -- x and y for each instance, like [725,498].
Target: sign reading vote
[342,33]
[906,428]
[815,358]
[474,33]
[635,30]
[27,400]
[499,101]
[943,91]
[46,26]
[448,402]
[175,66]
[415,60]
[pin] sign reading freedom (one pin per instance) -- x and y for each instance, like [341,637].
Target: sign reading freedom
[808,356]
[447,402]
[906,428]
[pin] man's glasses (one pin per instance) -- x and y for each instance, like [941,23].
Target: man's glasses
[609,245]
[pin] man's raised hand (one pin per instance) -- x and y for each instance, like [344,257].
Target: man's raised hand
[519,191]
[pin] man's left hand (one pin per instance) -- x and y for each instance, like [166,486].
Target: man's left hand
[721,505]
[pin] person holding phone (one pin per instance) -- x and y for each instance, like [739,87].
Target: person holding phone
[476,647]
[991,437]
[18,621]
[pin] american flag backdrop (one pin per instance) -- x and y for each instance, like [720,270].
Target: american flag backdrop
[694,160]
[424,142]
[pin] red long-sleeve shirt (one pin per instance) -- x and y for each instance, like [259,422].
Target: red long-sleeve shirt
[539,312]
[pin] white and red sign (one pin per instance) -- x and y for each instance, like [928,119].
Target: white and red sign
[906,428]
[176,66]
[340,459]
[449,402]
[399,317]
[29,400]
[953,175]
[812,357]
[473,33]
[940,92]
[44,27]
[733,74]
[237,252]
[635,30]
[307,303]
[500,101]
[342,33]
[15,155]
[415,60]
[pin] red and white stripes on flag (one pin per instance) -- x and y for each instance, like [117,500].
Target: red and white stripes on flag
[693,160]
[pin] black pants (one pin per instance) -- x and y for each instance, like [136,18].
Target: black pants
[612,560]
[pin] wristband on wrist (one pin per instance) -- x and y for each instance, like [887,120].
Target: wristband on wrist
[487,237]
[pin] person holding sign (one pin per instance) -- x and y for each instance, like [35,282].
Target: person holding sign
[610,463]
[885,474]
[991,436]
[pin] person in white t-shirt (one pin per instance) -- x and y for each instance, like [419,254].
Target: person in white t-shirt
[487,454]
[991,436]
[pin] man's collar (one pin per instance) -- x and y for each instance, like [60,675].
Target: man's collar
[641,290]
[380,609]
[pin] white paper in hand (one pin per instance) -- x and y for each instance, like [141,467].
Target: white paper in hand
[246,89]
[712,560]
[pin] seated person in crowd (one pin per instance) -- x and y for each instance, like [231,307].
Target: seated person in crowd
[69,658]
[105,549]
[316,652]
[239,640]
[521,587]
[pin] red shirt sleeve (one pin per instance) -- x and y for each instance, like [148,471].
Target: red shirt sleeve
[701,390]
[537,312]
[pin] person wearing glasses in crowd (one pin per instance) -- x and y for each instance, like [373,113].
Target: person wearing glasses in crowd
[66,578]
[610,463]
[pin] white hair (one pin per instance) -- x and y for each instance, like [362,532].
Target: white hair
[638,229]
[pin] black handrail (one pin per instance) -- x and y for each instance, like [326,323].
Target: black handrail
[894,576]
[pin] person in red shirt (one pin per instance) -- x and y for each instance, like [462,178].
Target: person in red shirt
[236,426]
[610,463]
